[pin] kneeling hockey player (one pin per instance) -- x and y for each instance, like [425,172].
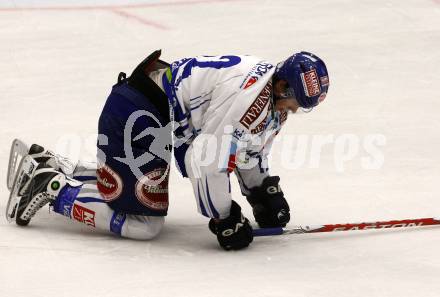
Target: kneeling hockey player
[224,109]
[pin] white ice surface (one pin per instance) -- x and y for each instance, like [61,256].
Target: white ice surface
[57,67]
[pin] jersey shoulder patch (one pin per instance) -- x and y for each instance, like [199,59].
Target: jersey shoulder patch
[258,70]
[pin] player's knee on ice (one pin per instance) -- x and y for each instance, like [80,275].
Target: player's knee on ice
[142,227]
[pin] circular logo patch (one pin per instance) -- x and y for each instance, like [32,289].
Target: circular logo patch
[55,185]
[109,183]
[152,189]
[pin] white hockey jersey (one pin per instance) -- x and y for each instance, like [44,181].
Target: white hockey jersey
[224,122]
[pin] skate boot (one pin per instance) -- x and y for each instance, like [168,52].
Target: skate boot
[19,150]
[41,189]
[41,155]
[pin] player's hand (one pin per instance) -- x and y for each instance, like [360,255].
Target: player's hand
[234,232]
[269,206]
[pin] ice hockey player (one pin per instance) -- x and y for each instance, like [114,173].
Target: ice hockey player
[223,108]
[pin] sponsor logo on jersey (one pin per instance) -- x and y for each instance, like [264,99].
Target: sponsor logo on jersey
[109,183]
[250,82]
[311,84]
[257,107]
[84,215]
[256,72]
[152,189]
[259,127]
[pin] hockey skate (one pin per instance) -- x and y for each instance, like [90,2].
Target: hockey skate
[35,181]
[35,185]
[20,149]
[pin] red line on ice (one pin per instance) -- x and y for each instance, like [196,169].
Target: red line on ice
[139,19]
[109,7]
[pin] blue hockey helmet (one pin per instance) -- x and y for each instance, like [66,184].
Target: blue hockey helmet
[306,76]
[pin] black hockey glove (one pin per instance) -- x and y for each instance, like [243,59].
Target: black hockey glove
[234,232]
[268,204]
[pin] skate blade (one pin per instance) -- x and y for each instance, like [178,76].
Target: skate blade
[25,170]
[19,149]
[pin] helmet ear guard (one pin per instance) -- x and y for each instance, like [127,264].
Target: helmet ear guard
[306,76]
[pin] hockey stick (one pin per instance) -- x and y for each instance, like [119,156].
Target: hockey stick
[348,227]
